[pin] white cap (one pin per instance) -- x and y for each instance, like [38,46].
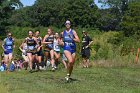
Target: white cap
[67,22]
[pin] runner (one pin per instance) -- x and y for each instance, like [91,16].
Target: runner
[69,37]
[32,47]
[23,49]
[8,45]
[56,48]
[86,42]
[49,52]
[39,52]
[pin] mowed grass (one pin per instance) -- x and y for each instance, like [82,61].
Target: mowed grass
[91,80]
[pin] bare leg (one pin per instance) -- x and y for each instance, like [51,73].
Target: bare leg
[39,61]
[30,60]
[6,60]
[26,60]
[47,56]
[57,56]
[84,62]
[87,63]
[71,59]
[52,58]
[10,57]
[65,64]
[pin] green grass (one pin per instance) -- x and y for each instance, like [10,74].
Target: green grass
[92,80]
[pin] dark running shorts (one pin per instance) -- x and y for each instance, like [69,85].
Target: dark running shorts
[39,53]
[85,53]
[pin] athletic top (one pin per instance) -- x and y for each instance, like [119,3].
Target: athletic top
[69,43]
[56,46]
[9,43]
[86,40]
[24,49]
[31,43]
[39,39]
[49,39]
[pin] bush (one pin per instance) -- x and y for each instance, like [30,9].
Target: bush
[112,46]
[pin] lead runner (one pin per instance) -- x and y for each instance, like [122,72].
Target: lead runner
[68,39]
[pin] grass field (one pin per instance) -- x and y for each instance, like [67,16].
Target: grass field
[91,80]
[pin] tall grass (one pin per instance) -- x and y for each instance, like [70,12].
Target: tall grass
[109,46]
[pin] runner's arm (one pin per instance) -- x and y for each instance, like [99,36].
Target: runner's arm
[60,42]
[37,44]
[3,43]
[76,38]
[21,47]
[44,42]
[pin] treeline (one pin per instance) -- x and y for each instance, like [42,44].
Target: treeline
[122,15]
[55,12]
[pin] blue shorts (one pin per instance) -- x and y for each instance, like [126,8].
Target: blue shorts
[71,50]
[7,52]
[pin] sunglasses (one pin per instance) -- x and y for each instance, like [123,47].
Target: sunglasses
[67,24]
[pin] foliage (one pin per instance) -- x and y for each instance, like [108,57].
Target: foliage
[6,9]
[131,20]
[56,12]
[114,14]
[84,15]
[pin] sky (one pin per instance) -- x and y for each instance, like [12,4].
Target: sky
[31,2]
[27,2]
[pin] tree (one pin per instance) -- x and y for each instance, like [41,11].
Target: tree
[131,21]
[6,9]
[114,14]
[55,12]
[81,13]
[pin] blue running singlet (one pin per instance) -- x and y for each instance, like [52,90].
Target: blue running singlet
[69,43]
[8,46]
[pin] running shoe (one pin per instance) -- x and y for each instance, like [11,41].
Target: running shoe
[67,77]
[40,67]
[53,69]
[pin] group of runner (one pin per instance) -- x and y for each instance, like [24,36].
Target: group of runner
[33,45]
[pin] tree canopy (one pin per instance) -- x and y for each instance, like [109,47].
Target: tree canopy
[55,12]
[6,9]
[131,20]
[121,15]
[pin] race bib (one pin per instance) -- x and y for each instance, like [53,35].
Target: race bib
[69,44]
[9,47]
[57,47]
[31,47]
